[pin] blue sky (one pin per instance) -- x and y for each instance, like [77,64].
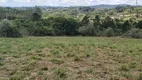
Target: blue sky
[64,2]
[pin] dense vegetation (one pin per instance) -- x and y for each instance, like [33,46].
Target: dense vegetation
[71,21]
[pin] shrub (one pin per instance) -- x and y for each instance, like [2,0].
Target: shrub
[26,27]
[109,32]
[127,26]
[7,29]
[139,25]
[63,26]
[87,30]
[133,33]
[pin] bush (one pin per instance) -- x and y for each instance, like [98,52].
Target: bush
[109,32]
[26,27]
[87,30]
[63,26]
[133,33]
[7,29]
[42,31]
[139,25]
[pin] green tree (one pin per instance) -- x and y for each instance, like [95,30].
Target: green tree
[126,26]
[38,10]
[85,21]
[26,26]
[87,30]
[109,23]
[36,17]
[97,25]
[7,29]
[37,14]
[139,25]
[63,26]
[133,33]
[109,32]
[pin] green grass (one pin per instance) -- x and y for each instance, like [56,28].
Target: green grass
[70,58]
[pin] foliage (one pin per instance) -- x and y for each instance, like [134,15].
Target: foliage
[109,32]
[109,23]
[12,13]
[133,33]
[36,15]
[87,30]
[63,26]
[139,25]
[126,26]
[85,20]
[72,21]
[7,29]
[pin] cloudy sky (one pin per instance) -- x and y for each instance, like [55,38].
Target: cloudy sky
[64,2]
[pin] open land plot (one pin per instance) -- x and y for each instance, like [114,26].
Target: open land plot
[70,58]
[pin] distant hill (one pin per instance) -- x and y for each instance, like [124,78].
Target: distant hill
[109,6]
[101,6]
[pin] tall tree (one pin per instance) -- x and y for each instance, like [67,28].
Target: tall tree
[109,23]
[37,14]
[85,20]
[7,29]
[97,25]
[139,25]
[126,26]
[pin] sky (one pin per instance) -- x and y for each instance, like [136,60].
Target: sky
[18,3]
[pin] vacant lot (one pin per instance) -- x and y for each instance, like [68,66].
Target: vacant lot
[70,58]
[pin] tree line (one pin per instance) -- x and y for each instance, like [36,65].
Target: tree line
[29,22]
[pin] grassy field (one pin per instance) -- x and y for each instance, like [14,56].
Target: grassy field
[70,58]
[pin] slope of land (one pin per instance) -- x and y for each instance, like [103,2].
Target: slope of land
[70,58]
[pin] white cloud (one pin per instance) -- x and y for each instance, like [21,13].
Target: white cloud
[64,2]
[20,1]
[2,1]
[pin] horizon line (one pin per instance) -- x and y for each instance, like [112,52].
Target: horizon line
[73,5]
